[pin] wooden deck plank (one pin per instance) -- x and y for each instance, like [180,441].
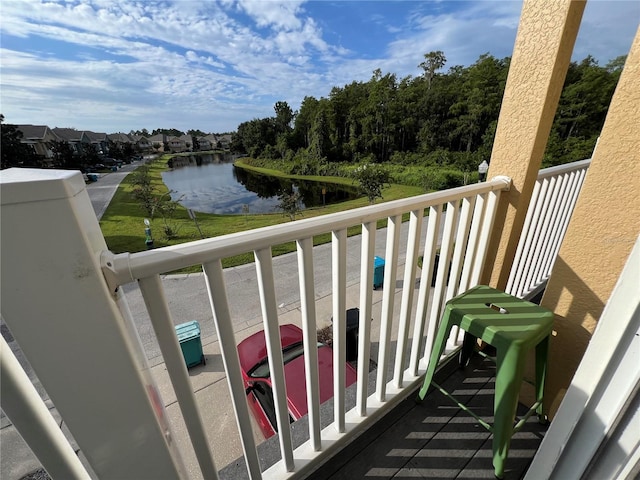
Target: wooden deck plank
[436,439]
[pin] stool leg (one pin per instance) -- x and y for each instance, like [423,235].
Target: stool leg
[542,350]
[436,353]
[467,349]
[509,373]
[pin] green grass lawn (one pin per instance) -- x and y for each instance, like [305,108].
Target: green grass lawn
[123,222]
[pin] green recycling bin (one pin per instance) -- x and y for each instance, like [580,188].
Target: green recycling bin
[190,343]
[378,272]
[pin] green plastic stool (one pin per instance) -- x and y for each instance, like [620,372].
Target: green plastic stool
[511,325]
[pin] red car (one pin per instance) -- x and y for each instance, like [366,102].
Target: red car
[256,376]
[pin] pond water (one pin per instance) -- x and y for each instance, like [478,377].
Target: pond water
[211,184]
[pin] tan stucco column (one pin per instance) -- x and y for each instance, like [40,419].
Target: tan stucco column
[604,227]
[539,64]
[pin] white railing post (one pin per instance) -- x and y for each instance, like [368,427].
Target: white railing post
[163,326]
[308,310]
[428,260]
[485,234]
[339,273]
[389,285]
[266,286]
[31,417]
[67,323]
[410,267]
[364,327]
[222,318]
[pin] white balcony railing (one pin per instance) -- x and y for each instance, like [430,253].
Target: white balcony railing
[78,268]
[467,224]
[554,197]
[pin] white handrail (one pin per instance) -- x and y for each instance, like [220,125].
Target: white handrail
[564,168]
[123,268]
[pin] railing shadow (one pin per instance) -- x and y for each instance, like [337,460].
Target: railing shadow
[436,439]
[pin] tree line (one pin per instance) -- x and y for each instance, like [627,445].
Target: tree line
[436,119]
[433,119]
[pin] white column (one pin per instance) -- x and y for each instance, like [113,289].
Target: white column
[57,304]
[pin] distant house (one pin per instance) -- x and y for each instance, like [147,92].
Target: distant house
[157,142]
[187,142]
[73,137]
[204,144]
[141,143]
[225,140]
[39,138]
[176,144]
[99,140]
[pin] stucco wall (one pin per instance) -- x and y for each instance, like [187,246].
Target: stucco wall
[541,56]
[602,232]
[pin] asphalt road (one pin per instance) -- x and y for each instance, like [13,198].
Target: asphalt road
[102,191]
[188,298]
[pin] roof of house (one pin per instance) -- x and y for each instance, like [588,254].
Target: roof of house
[33,131]
[160,137]
[96,136]
[139,138]
[119,137]
[69,134]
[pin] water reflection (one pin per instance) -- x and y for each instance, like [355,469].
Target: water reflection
[210,183]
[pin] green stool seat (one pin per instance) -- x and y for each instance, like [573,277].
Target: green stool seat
[513,326]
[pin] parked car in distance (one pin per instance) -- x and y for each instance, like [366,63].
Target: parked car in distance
[257,380]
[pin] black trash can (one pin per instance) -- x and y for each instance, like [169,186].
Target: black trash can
[353,322]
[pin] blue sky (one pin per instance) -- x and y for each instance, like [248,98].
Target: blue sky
[112,65]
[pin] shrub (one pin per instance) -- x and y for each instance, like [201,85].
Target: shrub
[290,204]
[371,179]
[441,179]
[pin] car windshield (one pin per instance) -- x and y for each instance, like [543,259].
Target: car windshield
[290,353]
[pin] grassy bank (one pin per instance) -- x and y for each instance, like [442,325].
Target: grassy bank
[241,163]
[123,222]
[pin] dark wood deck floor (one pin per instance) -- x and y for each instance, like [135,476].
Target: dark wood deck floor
[437,439]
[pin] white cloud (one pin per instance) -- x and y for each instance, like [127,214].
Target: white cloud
[281,15]
[597,37]
[203,65]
